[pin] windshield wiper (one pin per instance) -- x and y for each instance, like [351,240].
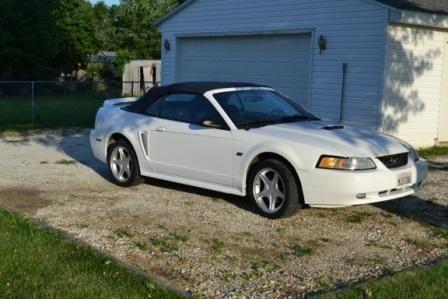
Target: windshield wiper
[256,123]
[294,118]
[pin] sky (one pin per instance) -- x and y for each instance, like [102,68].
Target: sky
[108,2]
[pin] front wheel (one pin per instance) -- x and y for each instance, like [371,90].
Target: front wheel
[273,188]
[123,164]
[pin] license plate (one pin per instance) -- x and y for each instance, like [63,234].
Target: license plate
[404,179]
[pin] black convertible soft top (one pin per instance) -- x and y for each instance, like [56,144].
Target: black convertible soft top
[198,88]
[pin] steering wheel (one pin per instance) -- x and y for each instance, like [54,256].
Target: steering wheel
[277,112]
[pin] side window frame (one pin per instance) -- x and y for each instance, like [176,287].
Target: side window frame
[163,99]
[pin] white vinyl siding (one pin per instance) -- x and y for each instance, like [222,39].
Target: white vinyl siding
[280,61]
[443,125]
[413,86]
[354,29]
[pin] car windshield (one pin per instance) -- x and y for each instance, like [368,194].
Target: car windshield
[257,107]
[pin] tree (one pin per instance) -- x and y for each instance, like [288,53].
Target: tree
[103,26]
[28,39]
[134,27]
[75,21]
[39,39]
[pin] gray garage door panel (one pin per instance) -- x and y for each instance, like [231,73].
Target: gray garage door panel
[280,61]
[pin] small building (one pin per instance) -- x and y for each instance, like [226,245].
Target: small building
[379,64]
[106,57]
[140,75]
[102,66]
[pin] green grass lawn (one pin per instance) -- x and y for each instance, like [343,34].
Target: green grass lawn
[433,151]
[39,263]
[430,282]
[50,111]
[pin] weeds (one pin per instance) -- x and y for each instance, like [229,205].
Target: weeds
[378,245]
[361,261]
[387,215]
[142,245]
[420,244]
[161,226]
[440,232]
[123,232]
[169,243]
[217,247]
[299,251]
[324,282]
[259,268]
[357,217]
[65,162]
[228,276]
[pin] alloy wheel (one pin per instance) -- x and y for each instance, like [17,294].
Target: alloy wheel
[269,190]
[120,164]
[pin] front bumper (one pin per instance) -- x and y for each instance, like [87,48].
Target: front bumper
[334,188]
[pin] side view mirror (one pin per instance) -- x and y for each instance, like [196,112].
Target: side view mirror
[211,124]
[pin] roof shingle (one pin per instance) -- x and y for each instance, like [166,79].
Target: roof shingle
[431,6]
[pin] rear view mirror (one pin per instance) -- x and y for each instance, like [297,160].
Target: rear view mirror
[211,124]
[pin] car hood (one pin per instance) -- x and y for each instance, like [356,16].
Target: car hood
[335,139]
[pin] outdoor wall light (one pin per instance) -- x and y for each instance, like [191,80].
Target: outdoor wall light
[322,42]
[167,45]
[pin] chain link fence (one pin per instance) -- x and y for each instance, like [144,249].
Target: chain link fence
[47,104]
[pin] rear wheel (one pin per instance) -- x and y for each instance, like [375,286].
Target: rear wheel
[273,188]
[123,164]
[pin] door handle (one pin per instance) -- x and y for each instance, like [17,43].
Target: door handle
[161,129]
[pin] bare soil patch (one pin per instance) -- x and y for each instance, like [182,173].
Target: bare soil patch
[213,244]
[23,199]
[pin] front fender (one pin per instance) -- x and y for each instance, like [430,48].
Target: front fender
[242,168]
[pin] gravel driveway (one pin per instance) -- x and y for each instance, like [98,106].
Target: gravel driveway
[211,244]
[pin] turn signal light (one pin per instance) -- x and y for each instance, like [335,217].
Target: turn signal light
[341,163]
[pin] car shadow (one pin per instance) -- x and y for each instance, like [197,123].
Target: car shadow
[77,147]
[417,209]
[238,201]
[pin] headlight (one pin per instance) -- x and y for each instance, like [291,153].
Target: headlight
[341,163]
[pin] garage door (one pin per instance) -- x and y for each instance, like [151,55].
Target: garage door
[280,61]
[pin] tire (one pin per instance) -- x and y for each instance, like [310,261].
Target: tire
[274,190]
[123,164]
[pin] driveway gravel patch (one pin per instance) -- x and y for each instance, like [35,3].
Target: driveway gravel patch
[214,245]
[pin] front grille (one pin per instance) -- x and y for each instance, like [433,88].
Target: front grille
[395,161]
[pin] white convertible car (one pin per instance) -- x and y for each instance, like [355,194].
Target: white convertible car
[246,139]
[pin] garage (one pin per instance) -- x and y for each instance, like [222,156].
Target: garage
[375,64]
[415,105]
[281,61]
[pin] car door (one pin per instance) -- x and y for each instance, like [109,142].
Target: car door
[180,146]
